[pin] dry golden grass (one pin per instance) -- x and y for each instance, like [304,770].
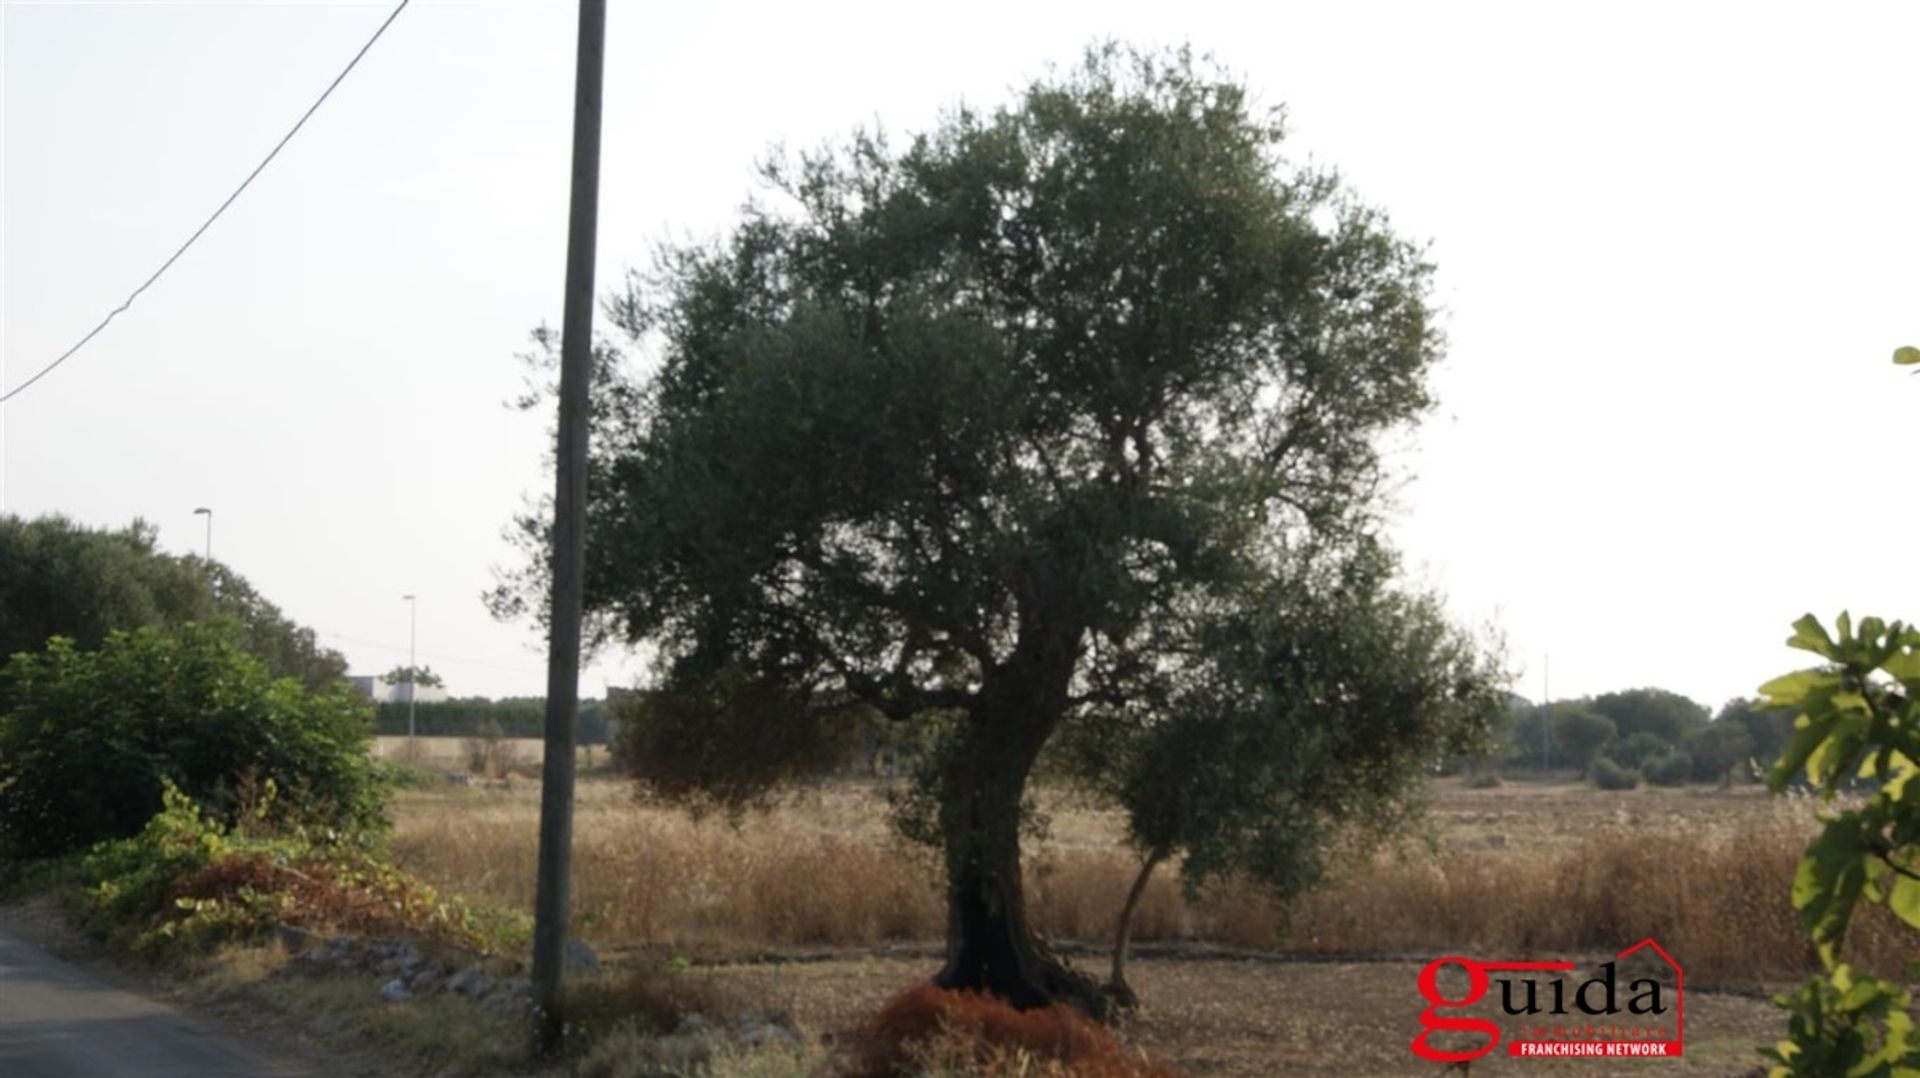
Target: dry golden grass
[1511,873]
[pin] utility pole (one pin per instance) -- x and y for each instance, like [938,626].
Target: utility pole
[551,897]
[413,634]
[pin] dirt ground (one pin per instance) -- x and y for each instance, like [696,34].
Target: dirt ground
[1233,1017]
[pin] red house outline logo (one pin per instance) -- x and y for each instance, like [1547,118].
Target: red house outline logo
[1604,1041]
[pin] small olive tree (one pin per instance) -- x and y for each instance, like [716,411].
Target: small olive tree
[1305,724]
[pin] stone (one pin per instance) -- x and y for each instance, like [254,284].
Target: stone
[768,1028]
[472,982]
[395,957]
[395,991]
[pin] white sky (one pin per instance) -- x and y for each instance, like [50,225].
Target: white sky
[1677,245]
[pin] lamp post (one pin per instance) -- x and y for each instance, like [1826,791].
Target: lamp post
[208,513]
[413,622]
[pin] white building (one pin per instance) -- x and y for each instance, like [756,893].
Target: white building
[381,691]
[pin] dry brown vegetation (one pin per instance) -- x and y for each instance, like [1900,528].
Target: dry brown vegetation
[924,1028]
[1518,871]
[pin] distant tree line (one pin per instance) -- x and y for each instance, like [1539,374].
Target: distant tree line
[522,716]
[61,578]
[124,669]
[1623,738]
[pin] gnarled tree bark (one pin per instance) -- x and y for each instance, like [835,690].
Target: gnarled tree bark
[991,944]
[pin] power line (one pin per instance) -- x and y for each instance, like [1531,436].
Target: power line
[439,655]
[288,137]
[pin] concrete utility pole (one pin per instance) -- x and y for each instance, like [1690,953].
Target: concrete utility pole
[413,633]
[551,898]
[208,513]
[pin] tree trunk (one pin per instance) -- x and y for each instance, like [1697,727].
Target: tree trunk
[991,945]
[1118,990]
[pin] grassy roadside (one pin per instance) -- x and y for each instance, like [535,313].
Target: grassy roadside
[325,948]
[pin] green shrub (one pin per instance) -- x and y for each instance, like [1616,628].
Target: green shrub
[1637,750]
[1672,769]
[1611,776]
[187,882]
[92,737]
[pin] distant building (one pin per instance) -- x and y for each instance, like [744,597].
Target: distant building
[381,691]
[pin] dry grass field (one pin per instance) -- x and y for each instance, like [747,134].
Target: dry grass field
[817,907]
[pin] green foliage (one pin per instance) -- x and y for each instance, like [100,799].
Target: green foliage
[186,882]
[1611,776]
[1672,769]
[1769,728]
[422,676]
[1719,750]
[1580,734]
[1859,721]
[1075,363]
[1665,715]
[728,741]
[92,737]
[1631,728]
[1635,751]
[1567,734]
[1850,1024]
[1310,721]
[58,578]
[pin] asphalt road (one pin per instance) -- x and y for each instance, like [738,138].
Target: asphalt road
[56,1021]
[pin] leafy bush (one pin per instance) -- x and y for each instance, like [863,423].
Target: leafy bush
[93,736]
[1663,715]
[1720,749]
[1672,769]
[186,882]
[1859,719]
[1611,776]
[1635,751]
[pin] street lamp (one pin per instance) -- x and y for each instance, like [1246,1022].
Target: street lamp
[413,621]
[208,513]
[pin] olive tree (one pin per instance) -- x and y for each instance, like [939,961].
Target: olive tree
[1303,727]
[983,432]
